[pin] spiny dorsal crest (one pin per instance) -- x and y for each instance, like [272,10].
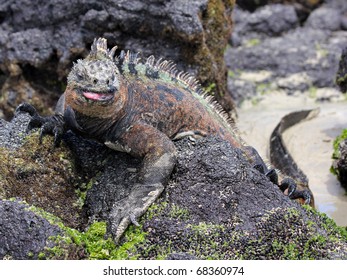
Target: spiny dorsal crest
[99,50]
[153,67]
[128,57]
[169,67]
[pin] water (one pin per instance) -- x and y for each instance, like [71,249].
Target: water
[310,143]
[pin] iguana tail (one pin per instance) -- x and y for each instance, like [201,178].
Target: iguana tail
[279,156]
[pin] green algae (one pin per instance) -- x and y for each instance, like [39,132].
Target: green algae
[95,242]
[42,175]
[337,142]
[336,151]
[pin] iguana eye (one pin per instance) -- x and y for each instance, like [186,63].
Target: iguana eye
[79,76]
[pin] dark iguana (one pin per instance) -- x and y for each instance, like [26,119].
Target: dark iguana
[139,108]
[279,154]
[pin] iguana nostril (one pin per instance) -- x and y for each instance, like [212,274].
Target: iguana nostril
[111,89]
[95,81]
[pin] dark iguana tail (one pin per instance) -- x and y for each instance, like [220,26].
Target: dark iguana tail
[279,156]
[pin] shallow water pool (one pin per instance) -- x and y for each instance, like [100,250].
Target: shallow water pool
[310,143]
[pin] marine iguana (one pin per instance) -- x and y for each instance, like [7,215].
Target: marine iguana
[279,154]
[140,108]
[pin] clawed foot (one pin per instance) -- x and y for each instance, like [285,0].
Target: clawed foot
[287,184]
[293,192]
[48,125]
[127,210]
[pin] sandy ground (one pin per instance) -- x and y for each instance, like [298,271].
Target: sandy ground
[310,143]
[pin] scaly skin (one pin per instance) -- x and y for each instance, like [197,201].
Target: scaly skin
[280,156]
[139,109]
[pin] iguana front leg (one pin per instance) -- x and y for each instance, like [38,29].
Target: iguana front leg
[54,124]
[159,158]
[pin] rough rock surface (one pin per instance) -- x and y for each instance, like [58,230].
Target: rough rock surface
[325,18]
[303,7]
[270,20]
[215,206]
[38,174]
[24,234]
[341,77]
[340,163]
[298,59]
[37,51]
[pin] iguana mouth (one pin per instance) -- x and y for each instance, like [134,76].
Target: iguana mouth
[96,96]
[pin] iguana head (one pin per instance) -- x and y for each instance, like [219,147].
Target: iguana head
[94,85]
[95,78]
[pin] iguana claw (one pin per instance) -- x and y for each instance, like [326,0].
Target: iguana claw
[293,193]
[48,125]
[133,220]
[127,210]
[304,194]
[286,184]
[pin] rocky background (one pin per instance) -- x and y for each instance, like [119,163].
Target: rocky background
[339,166]
[55,202]
[273,50]
[37,51]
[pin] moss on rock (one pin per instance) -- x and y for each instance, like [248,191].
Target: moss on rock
[217,24]
[43,176]
[339,165]
[280,234]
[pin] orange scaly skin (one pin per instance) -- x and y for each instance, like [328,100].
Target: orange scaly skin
[139,109]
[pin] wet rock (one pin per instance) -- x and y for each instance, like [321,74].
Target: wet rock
[193,34]
[300,60]
[341,77]
[26,235]
[241,89]
[268,21]
[303,7]
[22,233]
[339,5]
[295,82]
[273,54]
[339,165]
[251,5]
[325,18]
[301,51]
